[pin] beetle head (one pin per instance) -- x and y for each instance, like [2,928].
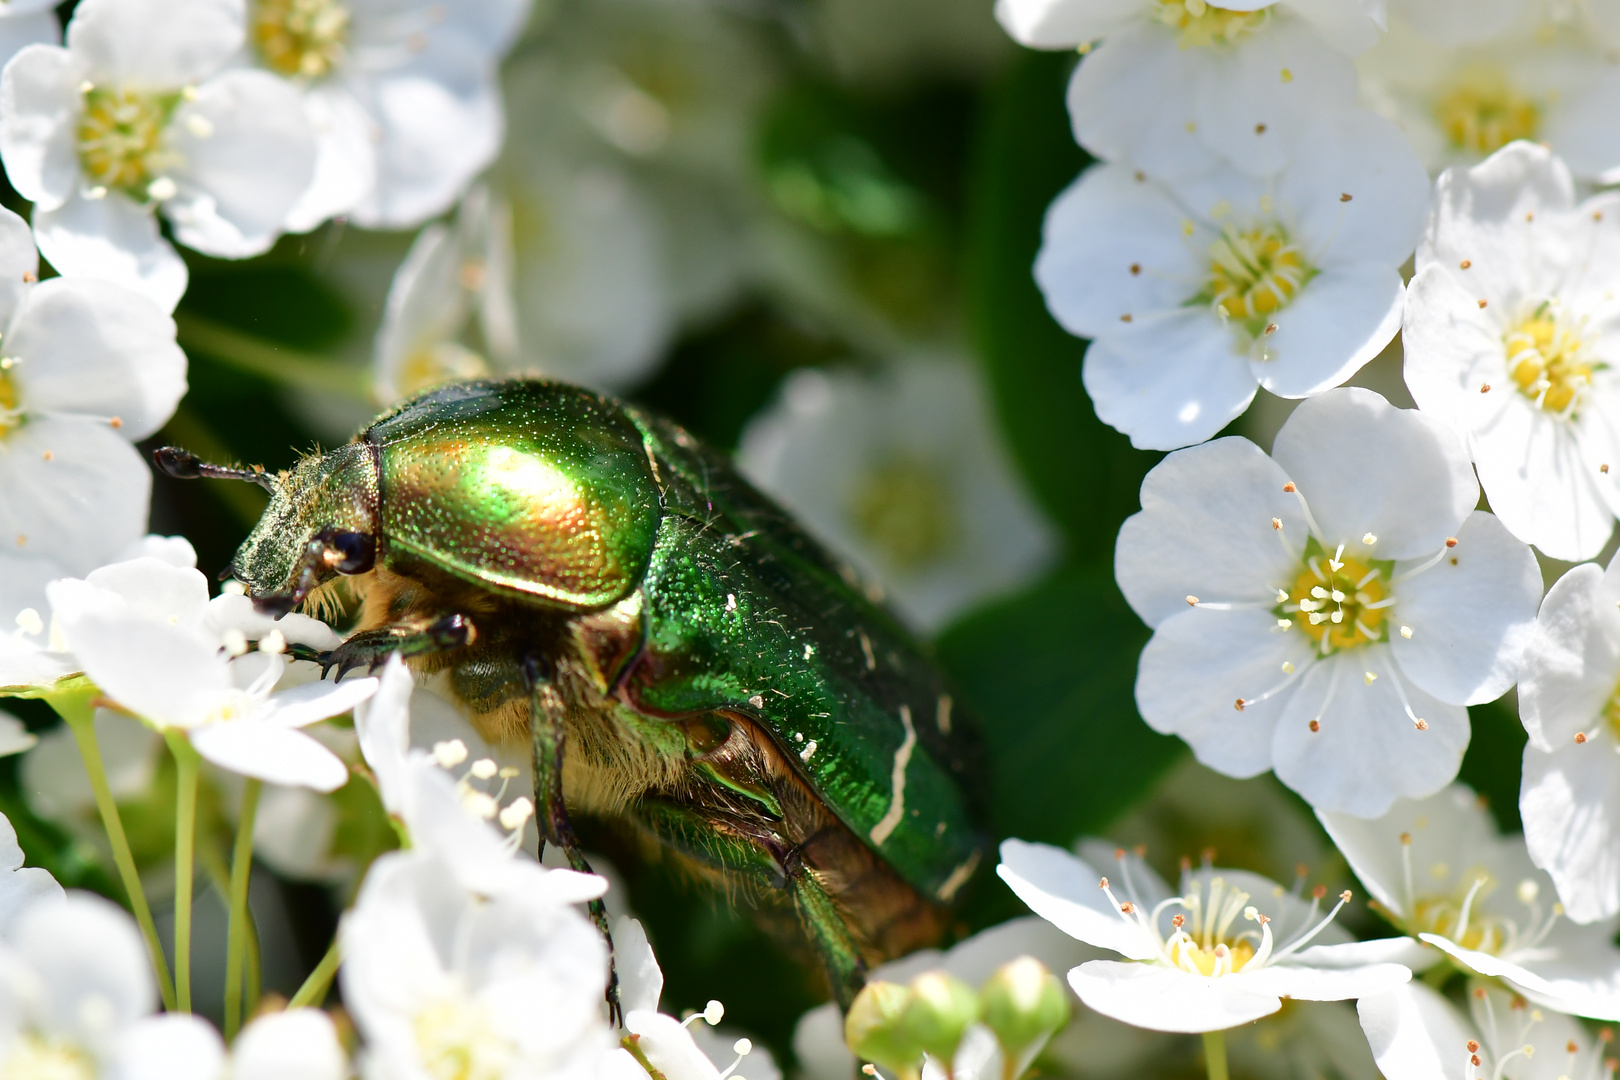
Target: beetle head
[322,521]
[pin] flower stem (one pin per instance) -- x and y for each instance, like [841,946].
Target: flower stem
[313,992]
[185,847]
[1215,1054]
[75,708]
[235,937]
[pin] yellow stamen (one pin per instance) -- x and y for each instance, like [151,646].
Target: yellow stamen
[302,38]
[1548,361]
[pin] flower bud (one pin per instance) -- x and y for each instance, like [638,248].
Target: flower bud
[1024,1004]
[939,1012]
[874,1030]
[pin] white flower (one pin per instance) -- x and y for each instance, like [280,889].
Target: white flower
[906,476]
[1194,295]
[1205,960]
[504,985]
[1342,594]
[27,22]
[1512,337]
[1416,1034]
[452,275]
[175,676]
[1569,700]
[818,1037]
[1464,78]
[20,885]
[88,368]
[136,115]
[401,95]
[1177,86]
[1443,875]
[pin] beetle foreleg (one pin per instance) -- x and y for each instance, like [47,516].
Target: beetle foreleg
[371,648]
[546,710]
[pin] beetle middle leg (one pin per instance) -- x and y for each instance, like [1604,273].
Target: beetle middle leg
[546,710]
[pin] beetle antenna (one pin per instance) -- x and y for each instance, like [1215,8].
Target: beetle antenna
[184,465]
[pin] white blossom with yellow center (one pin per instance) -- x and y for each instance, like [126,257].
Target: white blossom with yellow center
[1569,700]
[1175,87]
[1328,611]
[140,113]
[1441,873]
[1223,951]
[1464,78]
[1195,295]
[1512,335]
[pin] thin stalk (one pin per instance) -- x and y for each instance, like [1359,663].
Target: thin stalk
[1215,1054]
[313,992]
[270,360]
[185,848]
[254,974]
[75,708]
[235,944]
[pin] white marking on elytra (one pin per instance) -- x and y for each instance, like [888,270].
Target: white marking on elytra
[959,876]
[902,757]
[866,647]
[809,749]
[731,602]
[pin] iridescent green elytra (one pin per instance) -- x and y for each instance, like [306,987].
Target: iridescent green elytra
[593,578]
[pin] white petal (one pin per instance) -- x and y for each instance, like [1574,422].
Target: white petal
[268,751]
[87,952]
[1166,999]
[21,28]
[39,109]
[432,143]
[1341,319]
[304,705]
[345,156]
[1200,663]
[1066,892]
[1365,466]
[1112,245]
[641,983]
[288,1044]
[1367,751]
[174,550]
[1480,214]
[98,349]
[20,886]
[1586,985]
[240,180]
[24,663]
[174,1046]
[669,1046]
[155,44]
[14,736]
[1382,952]
[83,503]
[159,672]
[1415,1034]
[1206,529]
[1135,98]
[1471,615]
[19,262]
[1306,983]
[1355,153]
[1585,133]
[1570,803]
[1062,24]
[229,611]
[1452,348]
[1169,380]
[1347,25]
[113,239]
[383,724]
[1572,662]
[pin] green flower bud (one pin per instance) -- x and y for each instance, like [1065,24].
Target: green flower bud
[939,1012]
[875,1031]
[1024,1004]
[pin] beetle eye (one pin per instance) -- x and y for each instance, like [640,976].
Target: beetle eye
[359,552]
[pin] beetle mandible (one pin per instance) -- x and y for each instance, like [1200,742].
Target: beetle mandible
[674,649]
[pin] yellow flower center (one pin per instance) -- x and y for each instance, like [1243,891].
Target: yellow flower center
[1342,602]
[1202,26]
[1548,361]
[36,1058]
[1483,112]
[906,508]
[11,415]
[1202,961]
[435,362]
[1255,273]
[457,1041]
[1442,915]
[121,139]
[302,38]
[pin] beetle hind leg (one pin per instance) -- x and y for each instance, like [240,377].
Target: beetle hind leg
[546,709]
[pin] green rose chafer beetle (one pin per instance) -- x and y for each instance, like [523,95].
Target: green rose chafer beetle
[594,579]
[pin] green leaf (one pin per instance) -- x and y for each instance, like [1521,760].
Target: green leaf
[1495,753]
[1052,675]
[1083,472]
